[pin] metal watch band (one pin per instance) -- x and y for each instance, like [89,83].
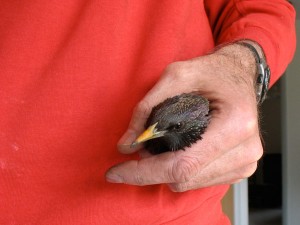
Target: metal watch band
[263,73]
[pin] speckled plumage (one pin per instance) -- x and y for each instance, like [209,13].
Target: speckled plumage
[184,118]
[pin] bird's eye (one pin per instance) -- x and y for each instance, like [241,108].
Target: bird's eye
[177,126]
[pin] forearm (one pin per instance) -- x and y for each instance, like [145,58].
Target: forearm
[269,23]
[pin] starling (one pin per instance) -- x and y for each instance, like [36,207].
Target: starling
[175,123]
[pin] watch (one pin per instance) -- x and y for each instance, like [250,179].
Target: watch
[263,73]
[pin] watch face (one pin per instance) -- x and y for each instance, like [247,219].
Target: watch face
[267,77]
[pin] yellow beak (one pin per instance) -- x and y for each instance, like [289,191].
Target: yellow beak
[150,133]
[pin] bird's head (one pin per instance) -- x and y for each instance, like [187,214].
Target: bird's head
[175,123]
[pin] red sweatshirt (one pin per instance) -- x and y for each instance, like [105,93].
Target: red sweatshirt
[71,72]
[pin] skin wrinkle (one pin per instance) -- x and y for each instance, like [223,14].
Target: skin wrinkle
[240,172]
[185,169]
[248,171]
[238,152]
[139,178]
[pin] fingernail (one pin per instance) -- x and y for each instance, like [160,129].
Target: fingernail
[125,143]
[114,178]
[128,138]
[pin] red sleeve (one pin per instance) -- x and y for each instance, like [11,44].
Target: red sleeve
[269,23]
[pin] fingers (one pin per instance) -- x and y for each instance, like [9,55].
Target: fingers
[227,178]
[231,167]
[151,170]
[188,169]
[136,126]
[218,153]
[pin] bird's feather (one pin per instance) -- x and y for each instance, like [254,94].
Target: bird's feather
[189,110]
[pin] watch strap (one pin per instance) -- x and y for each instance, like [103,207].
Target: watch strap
[263,73]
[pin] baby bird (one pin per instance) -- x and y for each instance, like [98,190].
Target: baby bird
[175,123]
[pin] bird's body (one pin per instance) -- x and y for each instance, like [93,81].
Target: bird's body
[176,123]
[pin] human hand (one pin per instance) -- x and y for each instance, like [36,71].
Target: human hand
[231,145]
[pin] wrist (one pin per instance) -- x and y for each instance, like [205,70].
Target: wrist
[249,57]
[240,61]
[263,72]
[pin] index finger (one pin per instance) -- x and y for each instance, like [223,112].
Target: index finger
[163,168]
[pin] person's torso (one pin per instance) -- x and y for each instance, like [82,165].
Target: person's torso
[71,73]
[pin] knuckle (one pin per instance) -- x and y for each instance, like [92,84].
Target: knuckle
[142,109]
[254,154]
[249,125]
[251,169]
[247,121]
[247,171]
[184,169]
[138,178]
[176,70]
[174,66]
[181,187]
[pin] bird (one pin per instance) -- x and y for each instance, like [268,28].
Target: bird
[175,124]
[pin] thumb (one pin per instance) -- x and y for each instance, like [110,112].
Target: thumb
[136,127]
[171,83]
[170,167]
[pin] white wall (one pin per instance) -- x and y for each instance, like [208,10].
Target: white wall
[291,140]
